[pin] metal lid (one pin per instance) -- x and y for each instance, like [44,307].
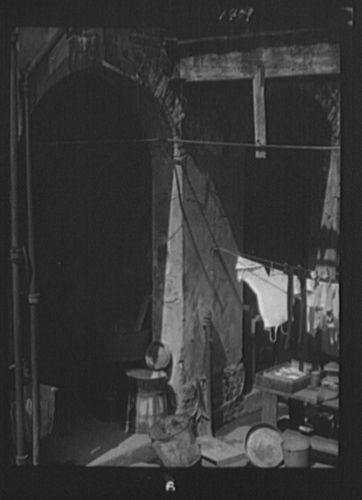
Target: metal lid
[263,445]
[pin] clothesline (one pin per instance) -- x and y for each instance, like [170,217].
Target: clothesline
[255,146]
[270,263]
[197,142]
[101,141]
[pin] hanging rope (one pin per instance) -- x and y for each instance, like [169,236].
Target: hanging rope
[211,285]
[96,142]
[223,264]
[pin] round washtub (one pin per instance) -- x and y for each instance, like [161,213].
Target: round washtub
[263,445]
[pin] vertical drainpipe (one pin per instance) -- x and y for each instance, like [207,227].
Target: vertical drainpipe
[15,255]
[33,295]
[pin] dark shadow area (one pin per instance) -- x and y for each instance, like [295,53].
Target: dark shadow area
[79,437]
[92,193]
[284,196]
[284,193]
[221,111]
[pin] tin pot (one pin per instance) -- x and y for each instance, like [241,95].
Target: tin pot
[296,451]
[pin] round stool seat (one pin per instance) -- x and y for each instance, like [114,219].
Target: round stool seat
[147,401]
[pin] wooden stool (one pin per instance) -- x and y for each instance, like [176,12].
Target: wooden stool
[147,399]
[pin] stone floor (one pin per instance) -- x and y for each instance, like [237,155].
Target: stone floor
[79,438]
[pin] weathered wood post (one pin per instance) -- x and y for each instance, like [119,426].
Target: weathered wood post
[207,325]
[259,111]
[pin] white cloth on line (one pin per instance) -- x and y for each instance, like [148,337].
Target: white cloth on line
[322,297]
[271,290]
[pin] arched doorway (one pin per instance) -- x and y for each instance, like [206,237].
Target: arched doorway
[93,199]
[285,192]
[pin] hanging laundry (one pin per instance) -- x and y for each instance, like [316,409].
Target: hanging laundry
[271,290]
[335,300]
[314,295]
[329,329]
[322,299]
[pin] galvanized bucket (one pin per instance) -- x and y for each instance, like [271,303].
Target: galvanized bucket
[174,441]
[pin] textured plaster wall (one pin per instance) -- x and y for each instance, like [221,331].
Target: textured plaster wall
[214,207]
[208,286]
[172,330]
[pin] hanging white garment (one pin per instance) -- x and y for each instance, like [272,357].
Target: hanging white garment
[271,290]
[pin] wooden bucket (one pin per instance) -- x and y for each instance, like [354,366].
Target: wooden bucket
[147,402]
[149,408]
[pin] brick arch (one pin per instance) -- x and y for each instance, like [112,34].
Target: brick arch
[306,122]
[310,96]
[132,59]
[144,70]
[328,97]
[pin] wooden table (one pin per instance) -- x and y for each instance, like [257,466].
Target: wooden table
[323,398]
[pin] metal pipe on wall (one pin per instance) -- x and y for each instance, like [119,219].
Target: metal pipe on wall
[15,255]
[33,295]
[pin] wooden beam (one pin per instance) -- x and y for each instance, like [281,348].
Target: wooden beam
[259,111]
[296,60]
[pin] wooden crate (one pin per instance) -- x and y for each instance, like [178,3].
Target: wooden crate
[268,379]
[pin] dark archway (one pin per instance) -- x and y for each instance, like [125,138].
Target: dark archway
[284,193]
[93,198]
